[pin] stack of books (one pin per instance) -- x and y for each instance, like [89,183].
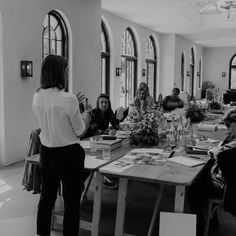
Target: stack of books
[207,127]
[102,144]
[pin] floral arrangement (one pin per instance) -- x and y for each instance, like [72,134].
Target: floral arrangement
[215,105]
[146,135]
[195,113]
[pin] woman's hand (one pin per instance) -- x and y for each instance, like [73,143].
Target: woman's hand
[112,131]
[87,106]
[80,96]
[215,151]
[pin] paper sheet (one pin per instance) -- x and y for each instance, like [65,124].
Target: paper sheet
[147,150]
[92,162]
[222,127]
[187,161]
[117,166]
[85,144]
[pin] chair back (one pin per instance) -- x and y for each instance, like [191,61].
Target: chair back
[181,224]
[159,101]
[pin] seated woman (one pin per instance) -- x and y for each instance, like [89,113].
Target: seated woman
[211,182]
[141,101]
[101,117]
[173,101]
[149,98]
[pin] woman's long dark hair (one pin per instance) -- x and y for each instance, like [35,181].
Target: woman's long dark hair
[53,72]
[108,113]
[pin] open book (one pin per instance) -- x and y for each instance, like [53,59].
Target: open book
[186,161]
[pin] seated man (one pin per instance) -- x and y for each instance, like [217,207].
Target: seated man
[173,101]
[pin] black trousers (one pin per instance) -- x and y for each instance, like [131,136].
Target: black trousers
[60,164]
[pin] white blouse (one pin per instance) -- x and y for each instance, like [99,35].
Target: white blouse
[59,117]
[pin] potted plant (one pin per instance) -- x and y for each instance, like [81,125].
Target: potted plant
[207,85]
[195,113]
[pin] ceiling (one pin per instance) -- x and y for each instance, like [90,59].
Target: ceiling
[200,21]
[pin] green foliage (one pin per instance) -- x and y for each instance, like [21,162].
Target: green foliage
[148,123]
[206,85]
[215,105]
[194,113]
[144,138]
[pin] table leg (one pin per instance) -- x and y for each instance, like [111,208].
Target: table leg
[121,207]
[154,215]
[97,204]
[83,196]
[179,198]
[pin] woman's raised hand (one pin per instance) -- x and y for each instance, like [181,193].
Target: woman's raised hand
[87,106]
[80,96]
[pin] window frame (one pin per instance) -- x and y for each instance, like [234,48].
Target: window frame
[230,67]
[64,34]
[129,59]
[151,50]
[105,55]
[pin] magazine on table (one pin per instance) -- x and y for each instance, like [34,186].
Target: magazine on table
[147,156]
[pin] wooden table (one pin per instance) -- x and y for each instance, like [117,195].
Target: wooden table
[165,174]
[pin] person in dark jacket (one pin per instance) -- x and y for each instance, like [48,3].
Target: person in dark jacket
[173,101]
[102,117]
[214,179]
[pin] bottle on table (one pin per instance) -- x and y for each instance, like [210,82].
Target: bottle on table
[180,132]
[172,134]
[188,130]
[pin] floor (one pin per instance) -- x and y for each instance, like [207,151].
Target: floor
[18,208]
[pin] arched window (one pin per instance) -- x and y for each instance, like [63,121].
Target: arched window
[182,69]
[128,78]
[200,74]
[192,68]
[55,35]
[151,63]
[105,60]
[232,72]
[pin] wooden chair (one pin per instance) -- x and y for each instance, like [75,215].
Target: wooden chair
[212,205]
[31,176]
[159,101]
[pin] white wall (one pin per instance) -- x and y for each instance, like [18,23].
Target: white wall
[21,40]
[216,61]
[167,48]
[181,45]
[117,26]
[2,128]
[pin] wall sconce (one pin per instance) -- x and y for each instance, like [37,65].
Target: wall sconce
[198,74]
[118,71]
[188,73]
[143,72]
[26,68]
[223,74]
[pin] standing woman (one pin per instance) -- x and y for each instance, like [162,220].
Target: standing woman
[61,156]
